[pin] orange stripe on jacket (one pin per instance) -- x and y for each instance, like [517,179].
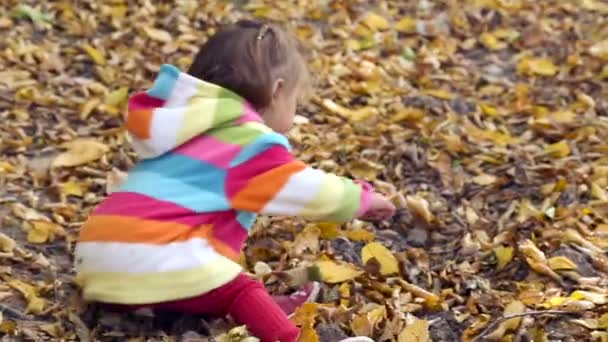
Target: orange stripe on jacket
[114,228]
[262,188]
[139,122]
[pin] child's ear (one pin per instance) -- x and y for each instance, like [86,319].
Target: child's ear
[277,86]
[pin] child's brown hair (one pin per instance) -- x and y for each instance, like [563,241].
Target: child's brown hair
[248,57]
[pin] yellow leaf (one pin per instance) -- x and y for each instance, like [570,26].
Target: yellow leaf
[7,244]
[329,230]
[563,116]
[42,231]
[360,234]
[332,272]
[308,334]
[344,290]
[79,152]
[554,302]
[354,115]
[364,324]
[561,263]
[118,97]
[73,188]
[594,297]
[558,150]
[537,66]
[488,109]
[420,207]
[305,315]
[35,304]
[491,42]
[406,24]
[439,93]
[375,22]
[484,179]
[600,50]
[88,107]
[512,324]
[388,262]
[503,256]
[408,114]
[158,34]
[431,300]
[416,331]
[96,55]
[598,193]
[364,169]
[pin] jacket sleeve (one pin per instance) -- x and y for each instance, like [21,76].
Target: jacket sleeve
[273,182]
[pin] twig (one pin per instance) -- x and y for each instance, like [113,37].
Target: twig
[497,322]
[12,312]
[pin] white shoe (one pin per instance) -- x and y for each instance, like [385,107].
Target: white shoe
[357,339]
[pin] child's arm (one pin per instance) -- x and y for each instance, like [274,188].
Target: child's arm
[273,182]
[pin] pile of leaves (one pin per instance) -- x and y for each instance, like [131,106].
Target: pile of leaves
[486,121]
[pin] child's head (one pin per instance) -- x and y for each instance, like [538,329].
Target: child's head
[260,63]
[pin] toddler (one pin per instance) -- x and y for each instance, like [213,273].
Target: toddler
[212,157]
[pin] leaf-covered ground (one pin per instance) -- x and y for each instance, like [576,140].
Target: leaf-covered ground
[485,120]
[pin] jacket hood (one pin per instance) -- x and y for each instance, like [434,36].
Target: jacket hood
[179,107]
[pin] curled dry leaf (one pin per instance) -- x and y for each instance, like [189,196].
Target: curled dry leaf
[420,207]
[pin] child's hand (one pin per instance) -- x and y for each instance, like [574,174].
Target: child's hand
[380,208]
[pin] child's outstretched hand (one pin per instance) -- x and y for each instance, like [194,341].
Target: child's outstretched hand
[380,208]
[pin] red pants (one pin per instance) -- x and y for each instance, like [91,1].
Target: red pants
[246,300]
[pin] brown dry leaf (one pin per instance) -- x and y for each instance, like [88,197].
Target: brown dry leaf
[420,207]
[484,179]
[79,152]
[415,331]
[308,239]
[333,272]
[7,244]
[388,263]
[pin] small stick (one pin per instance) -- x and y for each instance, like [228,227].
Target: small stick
[497,322]
[12,312]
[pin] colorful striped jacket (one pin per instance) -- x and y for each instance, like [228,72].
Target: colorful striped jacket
[208,165]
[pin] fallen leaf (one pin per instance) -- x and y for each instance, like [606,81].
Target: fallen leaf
[308,239]
[375,22]
[416,331]
[406,24]
[560,263]
[600,50]
[360,234]
[7,244]
[484,179]
[157,34]
[329,230]
[96,55]
[420,207]
[512,324]
[558,149]
[504,255]
[333,272]
[79,152]
[537,66]
[388,263]
[365,323]
[35,304]
[44,231]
